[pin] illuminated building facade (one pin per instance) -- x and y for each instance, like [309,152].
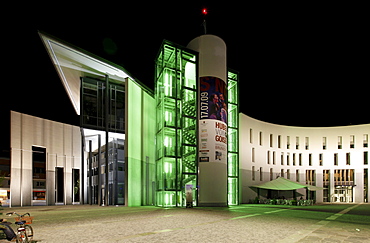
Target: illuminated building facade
[183,144]
[333,158]
[179,133]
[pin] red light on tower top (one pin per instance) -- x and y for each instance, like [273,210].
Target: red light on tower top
[204,11]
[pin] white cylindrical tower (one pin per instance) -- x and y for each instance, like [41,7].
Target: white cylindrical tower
[212,113]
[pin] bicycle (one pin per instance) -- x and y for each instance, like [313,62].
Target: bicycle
[24,230]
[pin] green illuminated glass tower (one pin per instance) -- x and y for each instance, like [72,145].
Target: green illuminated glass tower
[176,125]
[177,130]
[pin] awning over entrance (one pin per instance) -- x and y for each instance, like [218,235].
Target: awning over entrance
[283,184]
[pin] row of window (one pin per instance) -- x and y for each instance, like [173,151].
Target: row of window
[297,158]
[307,141]
[340,175]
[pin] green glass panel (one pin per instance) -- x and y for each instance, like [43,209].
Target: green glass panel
[233,191]
[232,140]
[232,92]
[233,115]
[232,164]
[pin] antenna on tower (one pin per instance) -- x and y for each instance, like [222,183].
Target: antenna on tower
[204,12]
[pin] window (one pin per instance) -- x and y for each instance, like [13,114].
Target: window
[297,175]
[253,173]
[252,154]
[271,174]
[273,157]
[307,145]
[279,141]
[268,157]
[321,159]
[287,158]
[271,142]
[288,142]
[310,177]
[250,135]
[352,141]
[261,174]
[335,159]
[339,142]
[288,173]
[282,158]
[260,138]
[324,143]
[366,157]
[282,172]
[296,142]
[366,140]
[300,159]
[348,158]
[294,159]
[310,159]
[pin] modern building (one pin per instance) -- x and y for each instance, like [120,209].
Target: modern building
[334,158]
[183,144]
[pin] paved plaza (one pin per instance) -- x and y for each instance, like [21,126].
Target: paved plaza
[244,223]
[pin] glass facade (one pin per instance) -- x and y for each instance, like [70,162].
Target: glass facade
[233,138]
[176,126]
[93,105]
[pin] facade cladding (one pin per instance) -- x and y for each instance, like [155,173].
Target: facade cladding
[185,144]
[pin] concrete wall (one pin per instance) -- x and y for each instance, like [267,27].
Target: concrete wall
[63,149]
[252,127]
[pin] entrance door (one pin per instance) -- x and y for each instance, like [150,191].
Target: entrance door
[343,194]
[59,185]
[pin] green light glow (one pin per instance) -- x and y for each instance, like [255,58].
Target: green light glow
[175,93]
[233,139]
[139,152]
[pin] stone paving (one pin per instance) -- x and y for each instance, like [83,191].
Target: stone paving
[244,223]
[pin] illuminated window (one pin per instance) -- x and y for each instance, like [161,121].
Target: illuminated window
[296,142]
[288,142]
[339,142]
[321,159]
[352,141]
[366,140]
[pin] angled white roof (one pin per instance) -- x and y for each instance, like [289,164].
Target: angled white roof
[73,63]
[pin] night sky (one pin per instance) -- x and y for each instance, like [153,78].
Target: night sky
[302,65]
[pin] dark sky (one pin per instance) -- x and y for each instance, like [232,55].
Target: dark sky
[303,64]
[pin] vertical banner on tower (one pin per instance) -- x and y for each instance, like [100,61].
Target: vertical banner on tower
[213,120]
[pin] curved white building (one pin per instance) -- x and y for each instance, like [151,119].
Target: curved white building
[335,158]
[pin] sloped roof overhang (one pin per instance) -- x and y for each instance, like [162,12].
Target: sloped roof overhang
[72,63]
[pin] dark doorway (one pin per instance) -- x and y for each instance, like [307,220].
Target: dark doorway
[59,185]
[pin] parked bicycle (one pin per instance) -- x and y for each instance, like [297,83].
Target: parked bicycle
[24,230]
